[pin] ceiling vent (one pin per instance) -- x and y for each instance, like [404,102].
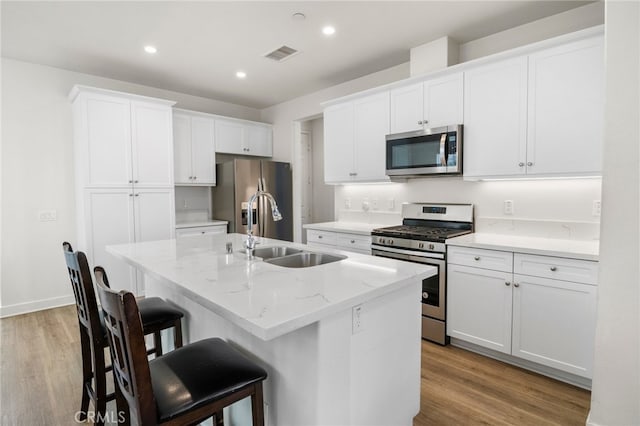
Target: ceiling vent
[281,53]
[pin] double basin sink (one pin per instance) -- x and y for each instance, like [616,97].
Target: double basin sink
[290,257]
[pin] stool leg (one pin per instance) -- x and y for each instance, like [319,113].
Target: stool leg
[100,378]
[219,418]
[177,334]
[157,341]
[87,372]
[123,415]
[257,410]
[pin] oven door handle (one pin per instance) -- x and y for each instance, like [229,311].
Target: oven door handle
[411,253]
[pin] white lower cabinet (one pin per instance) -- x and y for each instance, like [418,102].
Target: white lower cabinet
[546,320]
[125,215]
[356,243]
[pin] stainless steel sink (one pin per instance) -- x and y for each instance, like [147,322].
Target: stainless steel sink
[272,252]
[305,260]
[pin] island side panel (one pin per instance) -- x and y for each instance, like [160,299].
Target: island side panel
[324,374]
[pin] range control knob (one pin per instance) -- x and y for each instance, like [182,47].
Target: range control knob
[381,240]
[390,241]
[425,295]
[420,245]
[431,246]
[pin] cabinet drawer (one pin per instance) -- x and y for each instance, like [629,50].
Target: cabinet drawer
[201,230]
[481,258]
[321,237]
[354,242]
[559,268]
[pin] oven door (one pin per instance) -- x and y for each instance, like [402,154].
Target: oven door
[433,288]
[431,151]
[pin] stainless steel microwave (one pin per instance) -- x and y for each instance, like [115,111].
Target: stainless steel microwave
[435,151]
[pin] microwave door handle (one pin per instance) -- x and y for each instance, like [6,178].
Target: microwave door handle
[443,152]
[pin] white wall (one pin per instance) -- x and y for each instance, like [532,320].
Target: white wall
[615,398]
[37,174]
[545,208]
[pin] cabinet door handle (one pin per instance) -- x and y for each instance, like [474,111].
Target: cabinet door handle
[130,181]
[353,241]
[516,285]
[195,178]
[476,258]
[529,164]
[507,283]
[135,181]
[319,237]
[521,164]
[137,195]
[553,269]
[130,195]
[420,122]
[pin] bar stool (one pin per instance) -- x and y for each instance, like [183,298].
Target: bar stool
[158,314]
[183,387]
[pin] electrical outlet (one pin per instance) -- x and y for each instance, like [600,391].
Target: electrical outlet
[347,203]
[392,204]
[508,206]
[356,325]
[597,207]
[47,215]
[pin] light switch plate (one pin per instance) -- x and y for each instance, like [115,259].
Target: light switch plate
[508,206]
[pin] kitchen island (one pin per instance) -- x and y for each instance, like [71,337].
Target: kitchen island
[340,341]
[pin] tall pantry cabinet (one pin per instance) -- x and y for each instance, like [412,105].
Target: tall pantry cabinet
[124,175]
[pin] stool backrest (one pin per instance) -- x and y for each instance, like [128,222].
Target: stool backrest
[84,293]
[128,351]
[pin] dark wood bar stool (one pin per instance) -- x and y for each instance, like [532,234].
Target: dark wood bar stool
[93,339]
[183,387]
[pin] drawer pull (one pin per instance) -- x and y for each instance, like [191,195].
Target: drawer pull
[553,269]
[507,283]
[319,237]
[516,285]
[353,241]
[476,258]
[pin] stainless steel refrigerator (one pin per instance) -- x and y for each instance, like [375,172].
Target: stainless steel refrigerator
[238,180]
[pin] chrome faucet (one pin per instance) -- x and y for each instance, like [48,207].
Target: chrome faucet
[251,242]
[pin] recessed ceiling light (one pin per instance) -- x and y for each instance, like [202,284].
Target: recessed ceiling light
[241,74]
[150,49]
[328,30]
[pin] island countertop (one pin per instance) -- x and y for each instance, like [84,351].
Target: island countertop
[264,299]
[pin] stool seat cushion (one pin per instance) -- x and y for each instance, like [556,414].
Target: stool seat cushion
[197,374]
[154,312]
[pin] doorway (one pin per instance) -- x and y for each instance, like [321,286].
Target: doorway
[316,198]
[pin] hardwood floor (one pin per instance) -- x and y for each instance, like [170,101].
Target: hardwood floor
[40,374]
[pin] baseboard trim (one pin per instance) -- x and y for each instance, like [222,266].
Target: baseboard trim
[572,379]
[37,305]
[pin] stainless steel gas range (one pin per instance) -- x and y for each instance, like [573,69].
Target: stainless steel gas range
[421,238]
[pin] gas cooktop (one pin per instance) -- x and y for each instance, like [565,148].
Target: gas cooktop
[418,232]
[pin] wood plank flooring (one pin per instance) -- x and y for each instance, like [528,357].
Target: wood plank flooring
[40,375]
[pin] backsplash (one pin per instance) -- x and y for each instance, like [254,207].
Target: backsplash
[562,208]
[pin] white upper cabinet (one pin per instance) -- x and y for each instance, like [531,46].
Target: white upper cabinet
[243,137]
[566,109]
[536,115]
[432,103]
[407,108]
[194,148]
[354,140]
[122,140]
[338,143]
[443,101]
[371,125]
[495,119]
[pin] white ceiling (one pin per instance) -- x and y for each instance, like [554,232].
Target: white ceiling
[202,44]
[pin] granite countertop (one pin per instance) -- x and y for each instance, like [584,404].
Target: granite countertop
[575,249]
[211,222]
[347,227]
[264,299]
